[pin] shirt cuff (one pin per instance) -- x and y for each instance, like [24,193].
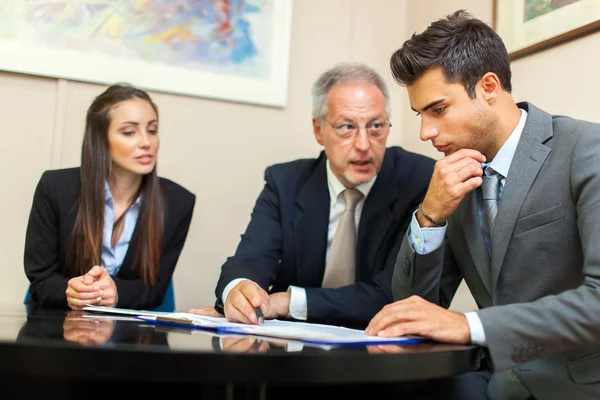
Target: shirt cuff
[230,286]
[298,306]
[476,328]
[425,240]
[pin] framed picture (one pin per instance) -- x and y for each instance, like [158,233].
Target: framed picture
[234,50]
[528,26]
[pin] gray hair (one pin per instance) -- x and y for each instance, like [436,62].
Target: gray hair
[345,73]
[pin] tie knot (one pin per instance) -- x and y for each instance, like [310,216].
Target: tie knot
[491,184]
[351,197]
[491,172]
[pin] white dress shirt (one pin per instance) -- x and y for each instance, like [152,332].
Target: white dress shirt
[426,240]
[298,303]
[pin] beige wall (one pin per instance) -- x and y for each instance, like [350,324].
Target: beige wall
[219,150]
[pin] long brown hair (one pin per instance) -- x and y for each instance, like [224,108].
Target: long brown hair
[96,163]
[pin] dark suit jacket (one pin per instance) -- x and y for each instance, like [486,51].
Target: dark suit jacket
[286,241]
[48,234]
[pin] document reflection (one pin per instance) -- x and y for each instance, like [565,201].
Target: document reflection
[250,344]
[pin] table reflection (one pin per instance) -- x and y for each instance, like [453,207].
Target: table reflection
[86,329]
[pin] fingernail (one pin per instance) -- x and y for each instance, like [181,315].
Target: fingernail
[99,298]
[96,288]
[380,333]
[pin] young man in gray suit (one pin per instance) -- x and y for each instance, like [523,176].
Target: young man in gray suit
[513,208]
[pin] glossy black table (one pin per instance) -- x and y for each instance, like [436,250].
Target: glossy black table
[61,354]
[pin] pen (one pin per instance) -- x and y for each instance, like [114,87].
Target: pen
[259,315]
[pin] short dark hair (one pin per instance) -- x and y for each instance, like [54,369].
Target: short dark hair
[464,47]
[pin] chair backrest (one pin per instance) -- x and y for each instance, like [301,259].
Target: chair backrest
[167,305]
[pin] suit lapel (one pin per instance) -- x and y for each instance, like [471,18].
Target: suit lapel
[526,164]
[376,218]
[471,227]
[311,227]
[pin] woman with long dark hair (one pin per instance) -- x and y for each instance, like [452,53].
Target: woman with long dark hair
[110,232]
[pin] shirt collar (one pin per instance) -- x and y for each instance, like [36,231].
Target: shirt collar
[108,197]
[503,159]
[336,187]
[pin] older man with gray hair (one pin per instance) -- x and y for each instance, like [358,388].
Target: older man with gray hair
[320,246]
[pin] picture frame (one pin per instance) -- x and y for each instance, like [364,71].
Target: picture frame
[231,50]
[530,26]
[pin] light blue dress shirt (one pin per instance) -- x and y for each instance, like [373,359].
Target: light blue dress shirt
[112,257]
[426,240]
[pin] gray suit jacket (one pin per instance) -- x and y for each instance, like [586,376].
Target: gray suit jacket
[539,292]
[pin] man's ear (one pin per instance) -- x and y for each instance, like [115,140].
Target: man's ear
[489,86]
[317,130]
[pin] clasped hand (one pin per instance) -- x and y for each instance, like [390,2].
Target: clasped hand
[96,287]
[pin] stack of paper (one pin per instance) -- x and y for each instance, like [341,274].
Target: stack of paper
[306,332]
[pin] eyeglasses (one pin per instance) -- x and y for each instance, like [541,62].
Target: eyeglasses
[377,130]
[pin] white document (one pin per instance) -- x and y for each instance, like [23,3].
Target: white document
[294,330]
[126,311]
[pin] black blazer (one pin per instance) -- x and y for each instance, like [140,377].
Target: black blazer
[47,240]
[286,240]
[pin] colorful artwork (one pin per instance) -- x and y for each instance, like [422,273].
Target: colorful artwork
[536,8]
[208,34]
[230,38]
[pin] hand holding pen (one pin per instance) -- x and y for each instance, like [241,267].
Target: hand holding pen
[243,301]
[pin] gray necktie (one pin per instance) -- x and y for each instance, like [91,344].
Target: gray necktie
[341,262]
[489,189]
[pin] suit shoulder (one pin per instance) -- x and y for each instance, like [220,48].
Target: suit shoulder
[297,170]
[176,192]
[563,124]
[61,175]
[60,180]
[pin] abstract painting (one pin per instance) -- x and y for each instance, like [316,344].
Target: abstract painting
[528,26]
[229,49]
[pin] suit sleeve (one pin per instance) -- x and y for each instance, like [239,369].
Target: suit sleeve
[569,320]
[434,276]
[259,252]
[135,293]
[41,259]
